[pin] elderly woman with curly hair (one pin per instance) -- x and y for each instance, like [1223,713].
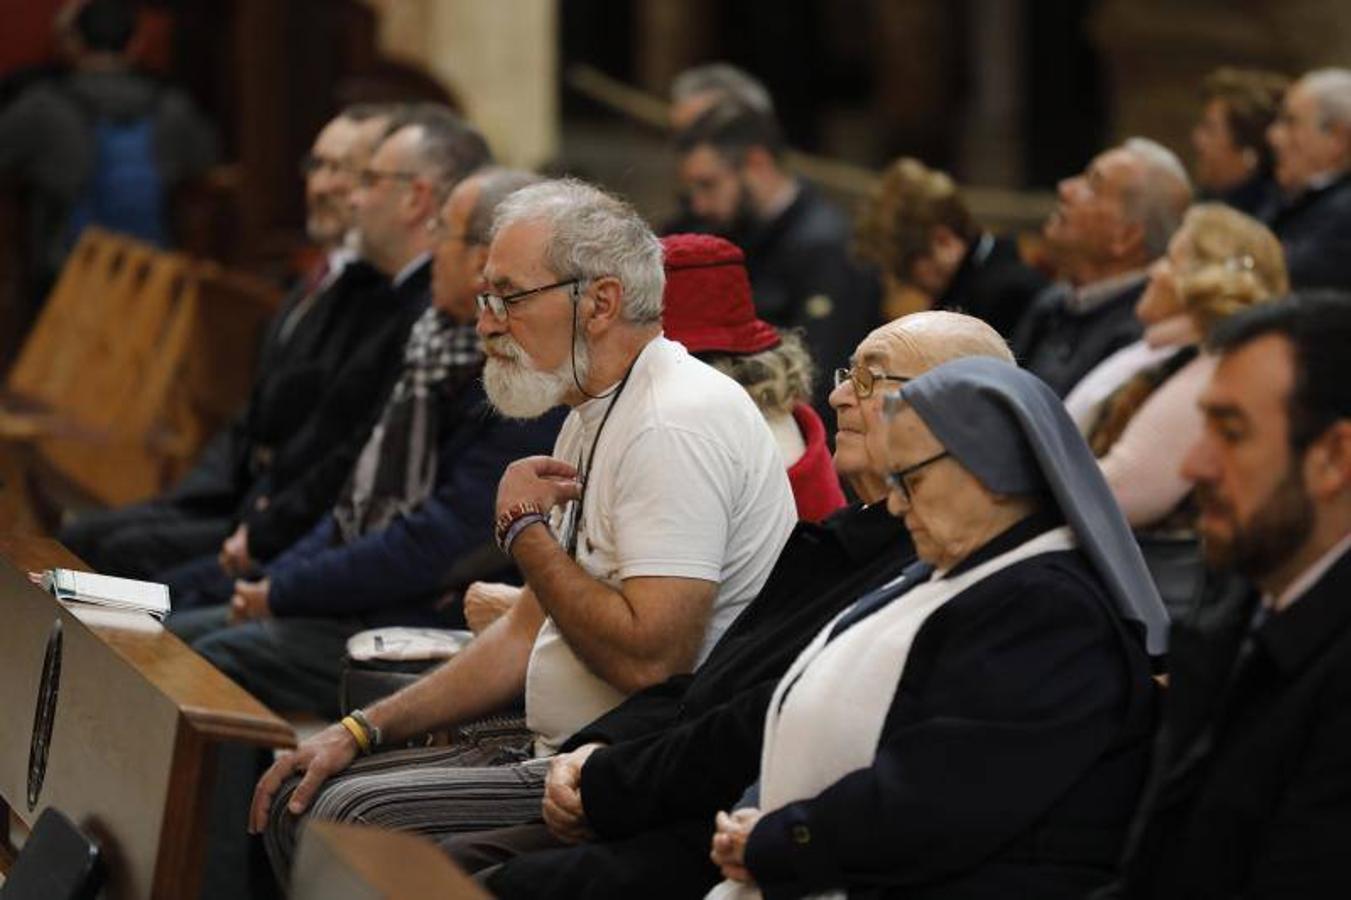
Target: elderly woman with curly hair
[707,306]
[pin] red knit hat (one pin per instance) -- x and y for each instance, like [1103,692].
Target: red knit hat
[708,303]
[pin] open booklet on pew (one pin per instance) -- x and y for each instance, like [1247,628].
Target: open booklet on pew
[106,591]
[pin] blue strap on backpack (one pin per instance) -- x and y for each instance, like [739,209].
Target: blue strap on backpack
[124,192]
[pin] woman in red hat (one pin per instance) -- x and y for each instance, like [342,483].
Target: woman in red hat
[708,308]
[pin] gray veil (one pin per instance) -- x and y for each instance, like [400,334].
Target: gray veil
[1013,434]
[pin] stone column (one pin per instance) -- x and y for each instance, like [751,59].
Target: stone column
[991,151]
[1158,53]
[499,57]
[671,36]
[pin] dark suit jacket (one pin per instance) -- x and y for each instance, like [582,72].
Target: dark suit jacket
[306,473]
[1315,229]
[1061,345]
[291,375]
[1251,791]
[1253,197]
[994,284]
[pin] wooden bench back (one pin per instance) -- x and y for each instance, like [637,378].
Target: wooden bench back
[145,354]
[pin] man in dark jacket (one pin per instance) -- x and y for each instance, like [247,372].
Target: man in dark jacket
[796,242]
[427,150]
[1110,223]
[1312,142]
[1251,791]
[327,320]
[418,502]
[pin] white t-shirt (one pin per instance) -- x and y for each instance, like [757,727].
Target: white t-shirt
[687,482]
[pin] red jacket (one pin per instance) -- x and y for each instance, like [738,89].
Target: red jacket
[816,487]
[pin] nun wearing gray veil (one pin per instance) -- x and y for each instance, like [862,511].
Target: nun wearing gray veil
[981,726]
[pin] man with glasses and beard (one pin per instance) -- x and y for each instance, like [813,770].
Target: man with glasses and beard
[657,519]
[796,241]
[1251,794]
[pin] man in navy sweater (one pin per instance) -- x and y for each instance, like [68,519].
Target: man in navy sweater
[418,502]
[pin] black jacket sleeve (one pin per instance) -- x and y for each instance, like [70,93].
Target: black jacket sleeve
[652,709]
[689,772]
[311,469]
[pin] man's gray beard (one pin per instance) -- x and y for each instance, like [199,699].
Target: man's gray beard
[518,390]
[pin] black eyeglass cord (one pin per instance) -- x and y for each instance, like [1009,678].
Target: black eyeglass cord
[576,301]
[584,474]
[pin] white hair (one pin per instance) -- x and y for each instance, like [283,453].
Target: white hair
[593,235]
[1160,200]
[518,389]
[1331,90]
[725,80]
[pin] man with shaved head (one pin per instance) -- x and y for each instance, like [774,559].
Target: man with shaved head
[823,569]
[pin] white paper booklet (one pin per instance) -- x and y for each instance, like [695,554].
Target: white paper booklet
[107,591]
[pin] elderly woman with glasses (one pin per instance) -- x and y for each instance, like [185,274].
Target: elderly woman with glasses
[978,727]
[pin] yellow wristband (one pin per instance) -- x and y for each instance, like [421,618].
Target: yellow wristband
[358,733]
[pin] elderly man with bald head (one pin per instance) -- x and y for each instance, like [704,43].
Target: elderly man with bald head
[1110,222]
[823,569]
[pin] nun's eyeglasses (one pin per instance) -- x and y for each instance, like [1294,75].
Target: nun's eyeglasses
[897,480]
[864,379]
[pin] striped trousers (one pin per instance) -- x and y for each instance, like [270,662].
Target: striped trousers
[487,778]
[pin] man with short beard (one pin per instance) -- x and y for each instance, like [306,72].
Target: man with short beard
[1251,793]
[307,351]
[796,241]
[656,520]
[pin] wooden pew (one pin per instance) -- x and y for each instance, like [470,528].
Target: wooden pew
[355,862]
[135,723]
[138,357]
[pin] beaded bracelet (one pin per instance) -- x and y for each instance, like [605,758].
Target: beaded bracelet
[517,527]
[511,516]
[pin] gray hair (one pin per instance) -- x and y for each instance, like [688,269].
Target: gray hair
[1331,89]
[494,186]
[1161,197]
[593,235]
[448,148]
[726,80]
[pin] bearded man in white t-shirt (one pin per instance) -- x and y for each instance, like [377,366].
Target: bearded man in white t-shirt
[657,519]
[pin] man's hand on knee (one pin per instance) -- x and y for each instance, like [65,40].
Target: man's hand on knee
[320,758]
